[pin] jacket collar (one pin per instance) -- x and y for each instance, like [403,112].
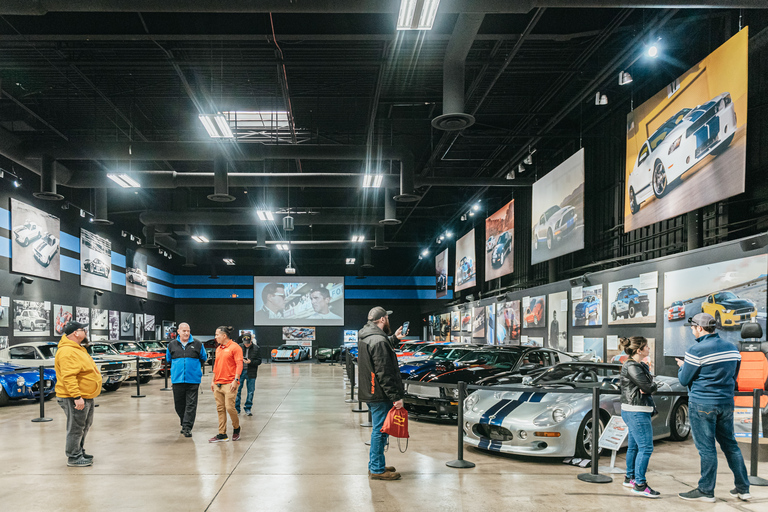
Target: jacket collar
[707,336]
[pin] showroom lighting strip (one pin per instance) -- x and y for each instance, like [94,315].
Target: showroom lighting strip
[282,247]
[358,238]
[265,215]
[350,261]
[200,239]
[124,180]
[372,180]
[229,261]
[217,126]
[417,14]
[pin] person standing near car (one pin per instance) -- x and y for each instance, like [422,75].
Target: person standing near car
[251,362]
[636,410]
[186,357]
[709,371]
[78,382]
[380,385]
[227,369]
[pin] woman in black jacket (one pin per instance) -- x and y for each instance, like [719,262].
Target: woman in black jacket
[636,410]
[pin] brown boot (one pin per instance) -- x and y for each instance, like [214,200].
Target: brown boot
[385,476]
[387,469]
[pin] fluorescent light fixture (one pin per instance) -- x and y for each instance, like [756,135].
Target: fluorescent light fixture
[229,261]
[282,247]
[350,261]
[417,14]
[358,238]
[448,234]
[124,180]
[200,239]
[476,207]
[265,215]
[254,120]
[372,180]
[217,126]
[653,51]
[425,252]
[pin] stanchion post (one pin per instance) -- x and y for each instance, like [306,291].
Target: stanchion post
[754,447]
[41,386]
[359,407]
[594,476]
[138,381]
[369,422]
[351,376]
[165,376]
[460,462]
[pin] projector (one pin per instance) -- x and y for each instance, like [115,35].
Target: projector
[290,270]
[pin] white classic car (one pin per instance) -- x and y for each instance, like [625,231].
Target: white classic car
[27,233]
[46,249]
[553,225]
[31,320]
[135,275]
[679,144]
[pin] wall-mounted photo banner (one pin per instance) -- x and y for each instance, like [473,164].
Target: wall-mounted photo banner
[535,311]
[149,323]
[532,341]
[138,327]
[587,305]
[687,145]
[466,264]
[31,318]
[135,273]
[35,237]
[3,342]
[95,261]
[441,274]
[350,337]
[5,311]
[301,301]
[490,324]
[508,323]
[299,334]
[445,326]
[455,321]
[629,304]
[500,242]
[478,322]
[114,325]
[466,320]
[558,321]
[83,316]
[99,320]
[126,325]
[62,316]
[731,291]
[614,354]
[558,211]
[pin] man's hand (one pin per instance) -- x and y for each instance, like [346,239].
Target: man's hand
[399,332]
[80,404]
[398,404]
[233,386]
[247,361]
[212,386]
[679,362]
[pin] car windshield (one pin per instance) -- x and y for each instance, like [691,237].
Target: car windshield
[289,347]
[677,303]
[101,349]
[575,372]
[48,351]
[725,296]
[504,237]
[153,345]
[493,357]
[450,354]
[661,134]
[551,211]
[129,347]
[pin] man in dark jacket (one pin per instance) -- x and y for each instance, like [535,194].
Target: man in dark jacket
[251,362]
[187,357]
[709,370]
[379,384]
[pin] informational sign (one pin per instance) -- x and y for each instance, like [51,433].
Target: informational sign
[742,422]
[350,336]
[649,280]
[614,434]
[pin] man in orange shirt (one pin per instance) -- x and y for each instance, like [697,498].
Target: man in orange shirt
[226,379]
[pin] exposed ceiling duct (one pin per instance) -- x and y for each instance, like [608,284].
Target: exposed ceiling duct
[220,181]
[240,218]
[390,210]
[100,209]
[379,240]
[48,180]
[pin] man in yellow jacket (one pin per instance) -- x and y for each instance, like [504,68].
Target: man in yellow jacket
[78,382]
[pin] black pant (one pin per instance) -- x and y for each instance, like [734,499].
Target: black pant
[185,401]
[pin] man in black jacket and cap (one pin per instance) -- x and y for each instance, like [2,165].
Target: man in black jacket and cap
[380,385]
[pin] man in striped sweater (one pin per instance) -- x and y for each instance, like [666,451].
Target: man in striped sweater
[709,371]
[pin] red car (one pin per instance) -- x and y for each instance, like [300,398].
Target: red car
[676,311]
[534,315]
[148,369]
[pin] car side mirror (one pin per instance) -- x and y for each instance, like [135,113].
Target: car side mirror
[527,381]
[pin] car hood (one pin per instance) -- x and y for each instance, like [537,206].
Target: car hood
[581,306]
[148,355]
[737,303]
[471,374]
[494,406]
[20,229]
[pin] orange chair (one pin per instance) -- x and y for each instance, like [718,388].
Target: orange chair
[753,372]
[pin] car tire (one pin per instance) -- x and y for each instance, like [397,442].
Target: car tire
[718,320]
[614,315]
[535,241]
[550,239]
[584,439]
[659,180]
[112,387]
[4,398]
[535,320]
[680,426]
[21,327]
[632,311]
[720,149]
[633,206]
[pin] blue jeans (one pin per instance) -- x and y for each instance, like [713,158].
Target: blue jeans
[710,423]
[250,386]
[379,439]
[639,444]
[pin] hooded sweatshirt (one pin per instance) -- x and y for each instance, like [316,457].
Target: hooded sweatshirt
[76,373]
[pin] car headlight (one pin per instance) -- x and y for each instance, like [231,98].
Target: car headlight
[454,392]
[727,311]
[560,413]
[553,416]
[470,401]
[20,381]
[675,145]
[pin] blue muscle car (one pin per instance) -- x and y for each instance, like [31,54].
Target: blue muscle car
[17,382]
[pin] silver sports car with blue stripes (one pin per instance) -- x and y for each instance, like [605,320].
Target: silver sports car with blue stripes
[545,423]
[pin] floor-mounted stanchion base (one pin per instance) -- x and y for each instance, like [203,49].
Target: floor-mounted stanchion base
[138,396]
[166,389]
[367,424]
[611,470]
[595,479]
[753,480]
[349,401]
[43,420]
[460,464]
[359,409]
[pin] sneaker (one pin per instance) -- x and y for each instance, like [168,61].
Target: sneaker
[248,412]
[743,496]
[697,495]
[218,438]
[187,433]
[79,462]
[628,482]
[236,434]
[645,491]
[387,475]
[86,456]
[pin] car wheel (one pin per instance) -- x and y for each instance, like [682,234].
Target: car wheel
[659,180]
[145,379]
[550,239]
[21,327]
[535,320]
[584,437]
[723,145]
[4,398]
[718,322]
[633,206]
[49,396]
[632,311]
[680,426]
[613,314]
[535,241]
[112,387]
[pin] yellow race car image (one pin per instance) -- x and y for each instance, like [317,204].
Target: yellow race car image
[728,309]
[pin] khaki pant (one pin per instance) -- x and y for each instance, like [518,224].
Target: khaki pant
[225,403]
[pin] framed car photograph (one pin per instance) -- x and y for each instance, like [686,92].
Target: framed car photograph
[441,274]
[508,323]
[466,263]
[534,312]
[62,316]
[587,305]
[95,261]
[629,304]
[500,242]
[31,318]
[35,238]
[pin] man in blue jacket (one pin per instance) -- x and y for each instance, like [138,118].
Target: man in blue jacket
[709,371]
[187,357]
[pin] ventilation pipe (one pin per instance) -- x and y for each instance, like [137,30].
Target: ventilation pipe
[367,258]
[464,33]
[390,209]
[214,275]
[220,181]
[379,244]
[48,180]
[190,258]
[261,237]
[101,216]
[149,237]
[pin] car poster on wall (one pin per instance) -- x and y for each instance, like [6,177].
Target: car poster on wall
[558,211]
[138,327]
[629,304]
[733,292]
[3,342]
[5,311]
[593,347]
[441,274]
[135,273]
[500,242]
[535,312]
[687,145]
[303,336]
[557,329]
[616,355]
[466,320]
[126,325]
[466,267]
[490,324]
[587,305]
[455,321]
[478,322]
[62,316]
[508,323]
[95,261]
[114,325]
[83,316]
[435,327]
[445,326]
[532,341]
[31,318]
[35,238]
[99,319]
[149,323]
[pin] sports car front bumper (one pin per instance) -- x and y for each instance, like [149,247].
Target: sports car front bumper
[522,438]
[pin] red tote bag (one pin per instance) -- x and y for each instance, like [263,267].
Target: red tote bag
[396,425]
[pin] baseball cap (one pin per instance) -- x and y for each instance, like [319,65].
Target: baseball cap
[377,313]
[73,326]
[702,320]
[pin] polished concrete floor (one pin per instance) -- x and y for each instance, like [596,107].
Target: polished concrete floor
[302,450]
